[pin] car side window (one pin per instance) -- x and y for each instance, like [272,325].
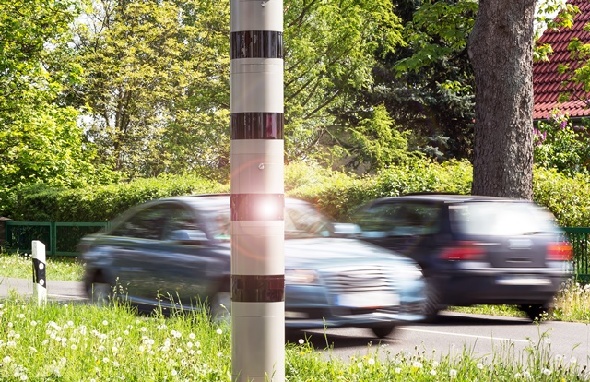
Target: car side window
[145,224]
[394,219]
[183,220]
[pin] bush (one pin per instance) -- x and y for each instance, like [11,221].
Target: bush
[101,203]
[336,193]
[566,196]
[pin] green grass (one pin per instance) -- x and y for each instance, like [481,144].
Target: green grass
[58,268]
[81,342]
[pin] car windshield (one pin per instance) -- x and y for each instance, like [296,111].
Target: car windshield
[301,221]
[498,218]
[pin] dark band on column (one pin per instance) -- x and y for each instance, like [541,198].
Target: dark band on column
[257,125]
[249,288]
[256,44]
[257,207]
[38,272]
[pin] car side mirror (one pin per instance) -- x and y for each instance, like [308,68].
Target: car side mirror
[188,236]
[346,230]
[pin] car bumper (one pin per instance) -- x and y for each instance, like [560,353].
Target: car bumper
[507,287]
[345,317]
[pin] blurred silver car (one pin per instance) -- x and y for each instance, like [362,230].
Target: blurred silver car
[174,253]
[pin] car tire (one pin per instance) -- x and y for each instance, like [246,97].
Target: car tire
[383,331]
[535,312]
[100,292]
[432,306]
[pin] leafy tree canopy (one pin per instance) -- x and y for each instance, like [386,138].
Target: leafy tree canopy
[40,141]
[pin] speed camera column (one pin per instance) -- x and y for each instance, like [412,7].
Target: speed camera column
[257,191]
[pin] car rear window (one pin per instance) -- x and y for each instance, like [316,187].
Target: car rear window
[501,218]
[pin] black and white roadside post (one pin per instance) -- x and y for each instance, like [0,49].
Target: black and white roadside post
[257,191]
[39,281]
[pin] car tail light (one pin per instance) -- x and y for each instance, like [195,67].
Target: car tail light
[465,250]
[560,251]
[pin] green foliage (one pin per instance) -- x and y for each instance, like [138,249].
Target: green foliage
[373,144]
[566,196]
[102,202]
[330,49]
[339,194]
[561,145]
[40,141]
[155,94]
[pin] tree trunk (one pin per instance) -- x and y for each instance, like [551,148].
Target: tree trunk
[500,48]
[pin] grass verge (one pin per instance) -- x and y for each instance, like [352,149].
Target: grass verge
[67,342]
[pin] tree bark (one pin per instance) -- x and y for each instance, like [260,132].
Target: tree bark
[500,48]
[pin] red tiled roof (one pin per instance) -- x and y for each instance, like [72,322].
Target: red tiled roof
[548,83]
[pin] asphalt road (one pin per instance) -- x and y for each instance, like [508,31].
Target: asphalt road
[56,290]
[458,334]
[454,334]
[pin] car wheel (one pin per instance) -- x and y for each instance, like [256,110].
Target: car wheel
[432,306]
[535,312]
[99,292]
[220,307]
[383,331]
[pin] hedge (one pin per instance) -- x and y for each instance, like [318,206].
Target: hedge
[338,194]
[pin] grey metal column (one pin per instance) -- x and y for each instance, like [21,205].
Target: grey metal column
[257,191]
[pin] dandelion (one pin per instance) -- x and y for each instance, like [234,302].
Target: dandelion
[301,341]
[573,360]
[189,344]
[452,373]
[433,372]
[417,365]
[480,366]
[7,360]
[192,336]
[526,374]
[33,323]
[105,322]
[176,334]
[74,347]
[546,371]
[219,331]
[397,370]
[173,373]
[371,361]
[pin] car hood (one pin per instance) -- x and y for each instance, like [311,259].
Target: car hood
[328,252]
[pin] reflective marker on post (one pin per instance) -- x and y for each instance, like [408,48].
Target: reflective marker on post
[39,282]
[257,191]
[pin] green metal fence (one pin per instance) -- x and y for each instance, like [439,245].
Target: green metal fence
[59,238]
[580,238]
